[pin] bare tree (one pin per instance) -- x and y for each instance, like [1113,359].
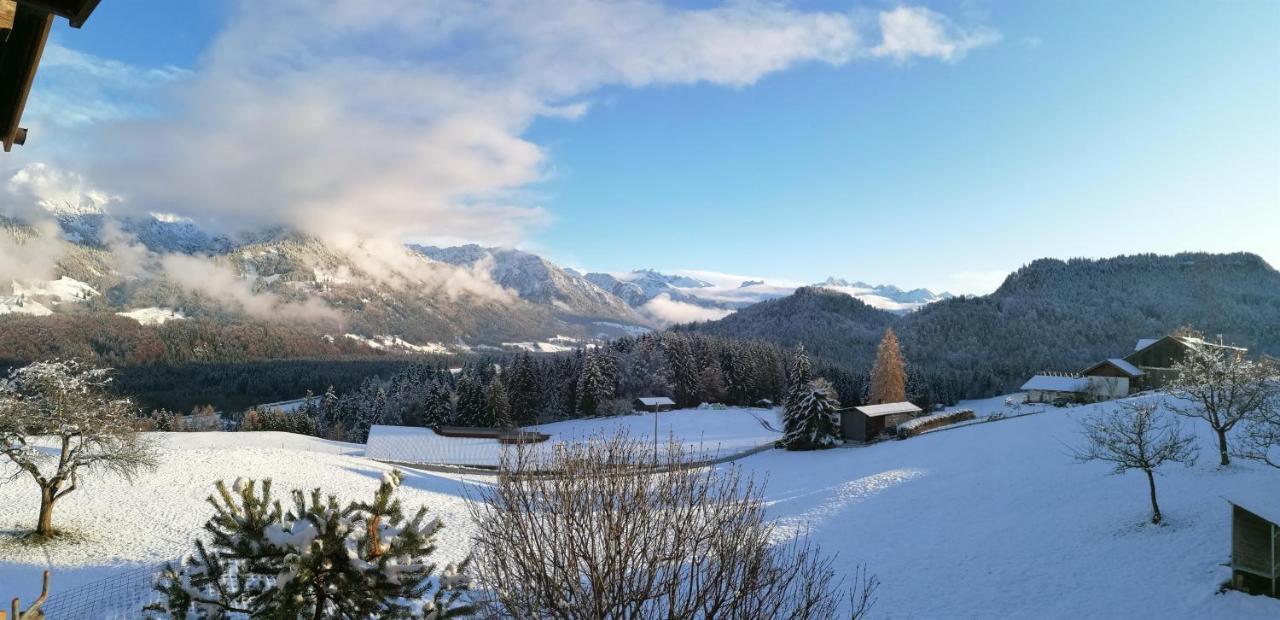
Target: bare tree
[1261,440]
[1224,387]
[600,530]
[1136,436]
[57,420]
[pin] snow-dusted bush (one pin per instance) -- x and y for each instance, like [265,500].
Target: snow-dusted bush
[615,533]
[915,426]
[320,559]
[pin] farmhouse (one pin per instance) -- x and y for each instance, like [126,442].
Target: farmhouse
[1255,543]
[868,421]
[1113,377]
[1048,388]
[653,403]
[1155,357]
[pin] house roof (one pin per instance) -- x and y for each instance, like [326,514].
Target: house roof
[651,401]
[874,411]
[1056,383]
[1144,343]
[1123,366]
[1264,502]
[1188,341]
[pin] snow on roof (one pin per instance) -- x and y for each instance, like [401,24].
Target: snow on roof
[1144,343]
[405,444]
[1264,502]
[888,409]
[1129,369]
[1055,383]
[650,401]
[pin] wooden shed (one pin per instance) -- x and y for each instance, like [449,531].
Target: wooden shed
[868,421]
[653,403]
[1255,542]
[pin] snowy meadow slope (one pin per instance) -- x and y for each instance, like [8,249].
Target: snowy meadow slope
[996,520]
[988,520]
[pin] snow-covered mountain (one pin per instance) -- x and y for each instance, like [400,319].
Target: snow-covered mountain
[884,297]
[704,295]
[158,271]
[161,269]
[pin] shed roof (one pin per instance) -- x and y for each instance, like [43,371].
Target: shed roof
[873,411]
[651,401]
[1264,502]
[1126,367]
[1056,383]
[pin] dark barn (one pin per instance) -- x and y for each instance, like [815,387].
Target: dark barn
[868,421]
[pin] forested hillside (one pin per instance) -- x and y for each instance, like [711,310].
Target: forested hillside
[1049,315]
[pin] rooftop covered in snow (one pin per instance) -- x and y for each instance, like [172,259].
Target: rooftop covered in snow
[873,411]
[1119,364]
[653,401]
[1056,383]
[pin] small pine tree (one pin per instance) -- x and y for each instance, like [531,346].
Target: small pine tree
[813,423]
[499,407]
[798,378]
[471,409]
[438,406]
[319,559]
[889,374]
[594,388]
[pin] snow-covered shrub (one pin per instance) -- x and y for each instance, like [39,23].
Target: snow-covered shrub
[915,426]
[616,534]
[319,559]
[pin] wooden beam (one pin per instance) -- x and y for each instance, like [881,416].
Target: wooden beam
[8,10]
[21,56]
[76,11]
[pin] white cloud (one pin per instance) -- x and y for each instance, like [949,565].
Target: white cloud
[407,119]
[74,88]
[667,310]
[52,189]
[908,32]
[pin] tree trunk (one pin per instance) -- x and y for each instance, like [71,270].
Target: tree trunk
[1222,447]
[1155,508]
[44,527]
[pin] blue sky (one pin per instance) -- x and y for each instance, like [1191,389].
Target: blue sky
[816,144]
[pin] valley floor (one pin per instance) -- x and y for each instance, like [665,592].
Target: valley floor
[991,520]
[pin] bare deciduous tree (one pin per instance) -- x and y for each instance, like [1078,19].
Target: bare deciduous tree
[1224,387]
[600,530]
[1136,436]
[57,420]
[1261,441]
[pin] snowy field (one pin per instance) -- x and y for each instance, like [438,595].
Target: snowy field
[989,521]
[712,432]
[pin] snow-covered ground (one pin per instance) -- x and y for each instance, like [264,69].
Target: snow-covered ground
[997,521]
[714,432]
[153,315]
[988,521]
[119,526]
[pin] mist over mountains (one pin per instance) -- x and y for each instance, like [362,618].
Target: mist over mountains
[379,294]
[1049,315]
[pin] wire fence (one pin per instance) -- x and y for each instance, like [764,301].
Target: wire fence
[120,596]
